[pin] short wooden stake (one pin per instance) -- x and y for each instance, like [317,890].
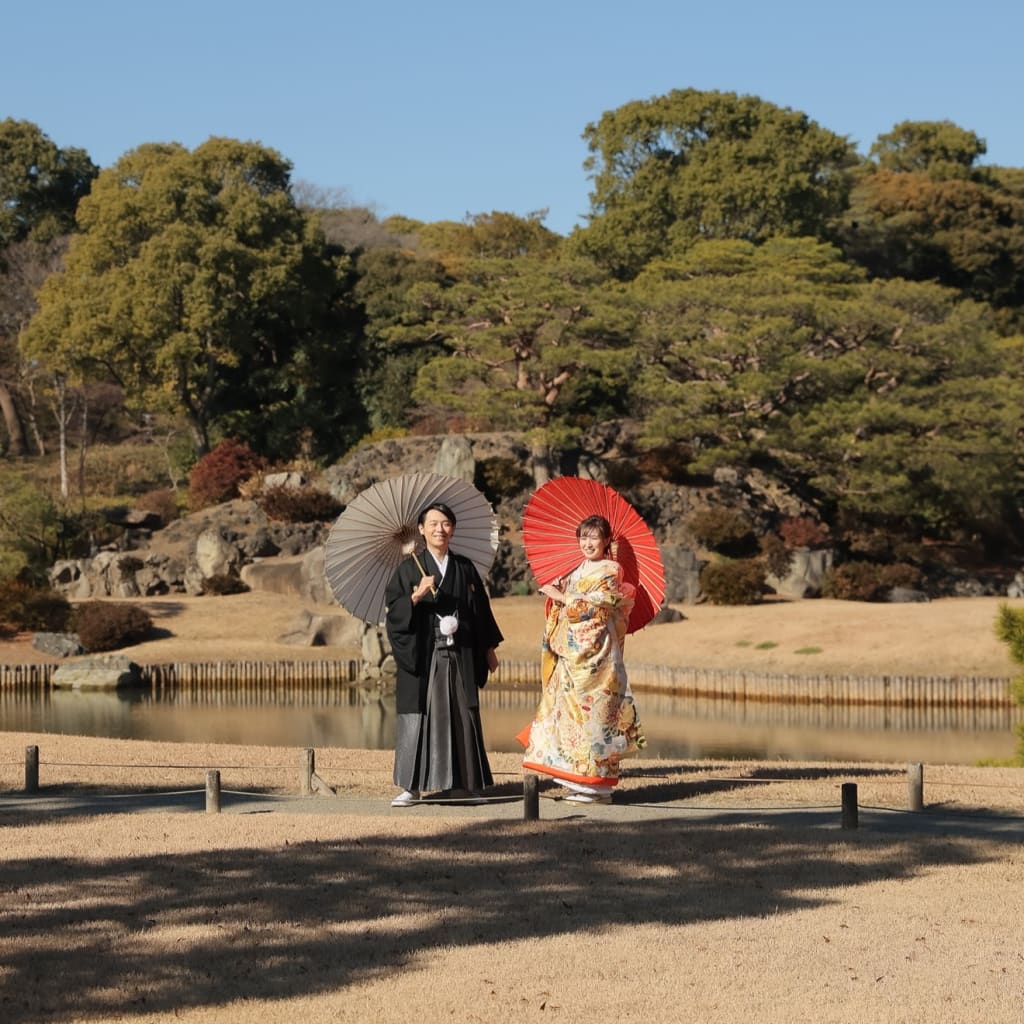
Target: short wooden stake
[915,786]
[849,805]
[531,798]
[31,769]
[306,772]
[213,792]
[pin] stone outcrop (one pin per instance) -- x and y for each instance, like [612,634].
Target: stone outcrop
[58,645]
[309,629]
[179,559]
[807,570]
[237,539]
[106,672]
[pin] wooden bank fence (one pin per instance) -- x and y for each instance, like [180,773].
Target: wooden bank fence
[906,691]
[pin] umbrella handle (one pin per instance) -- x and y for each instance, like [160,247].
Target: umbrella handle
[423,572]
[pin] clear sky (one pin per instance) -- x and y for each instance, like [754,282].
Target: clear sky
[438,110]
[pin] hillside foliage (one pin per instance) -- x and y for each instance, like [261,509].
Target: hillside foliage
[748,290]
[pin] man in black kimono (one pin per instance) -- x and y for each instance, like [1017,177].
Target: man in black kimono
[443,637]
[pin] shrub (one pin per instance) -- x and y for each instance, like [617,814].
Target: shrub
[103,626]
[670,463]
[732,583]
[162,502]
[24,607]
[501,477]
[717,528]
[300,504]
[224,583]
[867,581]
[777,556]
[216,476]
[30,527]
[803,532]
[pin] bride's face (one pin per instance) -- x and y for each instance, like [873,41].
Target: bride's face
[592,544]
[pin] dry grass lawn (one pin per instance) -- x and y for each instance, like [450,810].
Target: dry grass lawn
[707,893]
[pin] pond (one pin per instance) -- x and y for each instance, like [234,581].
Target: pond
[676,727]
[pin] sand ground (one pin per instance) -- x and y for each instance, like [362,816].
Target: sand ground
[709,892]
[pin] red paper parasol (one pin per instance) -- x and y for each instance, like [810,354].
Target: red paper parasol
[549,534]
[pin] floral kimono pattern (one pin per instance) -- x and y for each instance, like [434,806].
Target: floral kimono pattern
[587,719]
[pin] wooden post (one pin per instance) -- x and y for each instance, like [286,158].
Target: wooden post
[31,769]
[915,786]
[213,792]
[849,805]
[306,772]
[531,797]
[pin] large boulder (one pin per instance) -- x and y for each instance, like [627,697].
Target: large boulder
[309,629]
[104,672]
[58,645]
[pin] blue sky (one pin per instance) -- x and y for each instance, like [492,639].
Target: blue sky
[436,110]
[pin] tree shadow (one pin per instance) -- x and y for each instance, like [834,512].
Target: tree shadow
[126,935]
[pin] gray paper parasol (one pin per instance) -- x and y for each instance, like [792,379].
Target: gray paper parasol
[378,529]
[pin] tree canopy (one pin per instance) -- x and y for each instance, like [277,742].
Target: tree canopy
[692,165]
[194,282]
[40,183]
[893,402]
[747,288]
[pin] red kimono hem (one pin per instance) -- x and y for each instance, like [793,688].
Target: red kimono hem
[586,780]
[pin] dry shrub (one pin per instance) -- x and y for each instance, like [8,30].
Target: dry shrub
[162,502]
[803,532]
[24,607]
[502,477]
[300,504]
[734,583]
[224,583]
[103,626]
[718,528]
[868,581]
[777,555]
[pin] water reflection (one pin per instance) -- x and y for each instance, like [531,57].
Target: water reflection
[677,727]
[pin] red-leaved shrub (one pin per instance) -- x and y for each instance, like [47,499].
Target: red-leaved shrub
[216,476]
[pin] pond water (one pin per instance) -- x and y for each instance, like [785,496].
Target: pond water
[676,727]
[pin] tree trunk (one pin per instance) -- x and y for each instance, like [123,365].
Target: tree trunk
[60,389]
[540,462]
[15,431]
[82,445]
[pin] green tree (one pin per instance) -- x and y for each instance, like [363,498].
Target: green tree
[400,333]
[537,345]
[193,283]
[889,402]
[40,183]
[965,234]
[24,266]
[937,148]
[30,528]
[694,165]
[1009,628]
[495,235]
[925,212]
